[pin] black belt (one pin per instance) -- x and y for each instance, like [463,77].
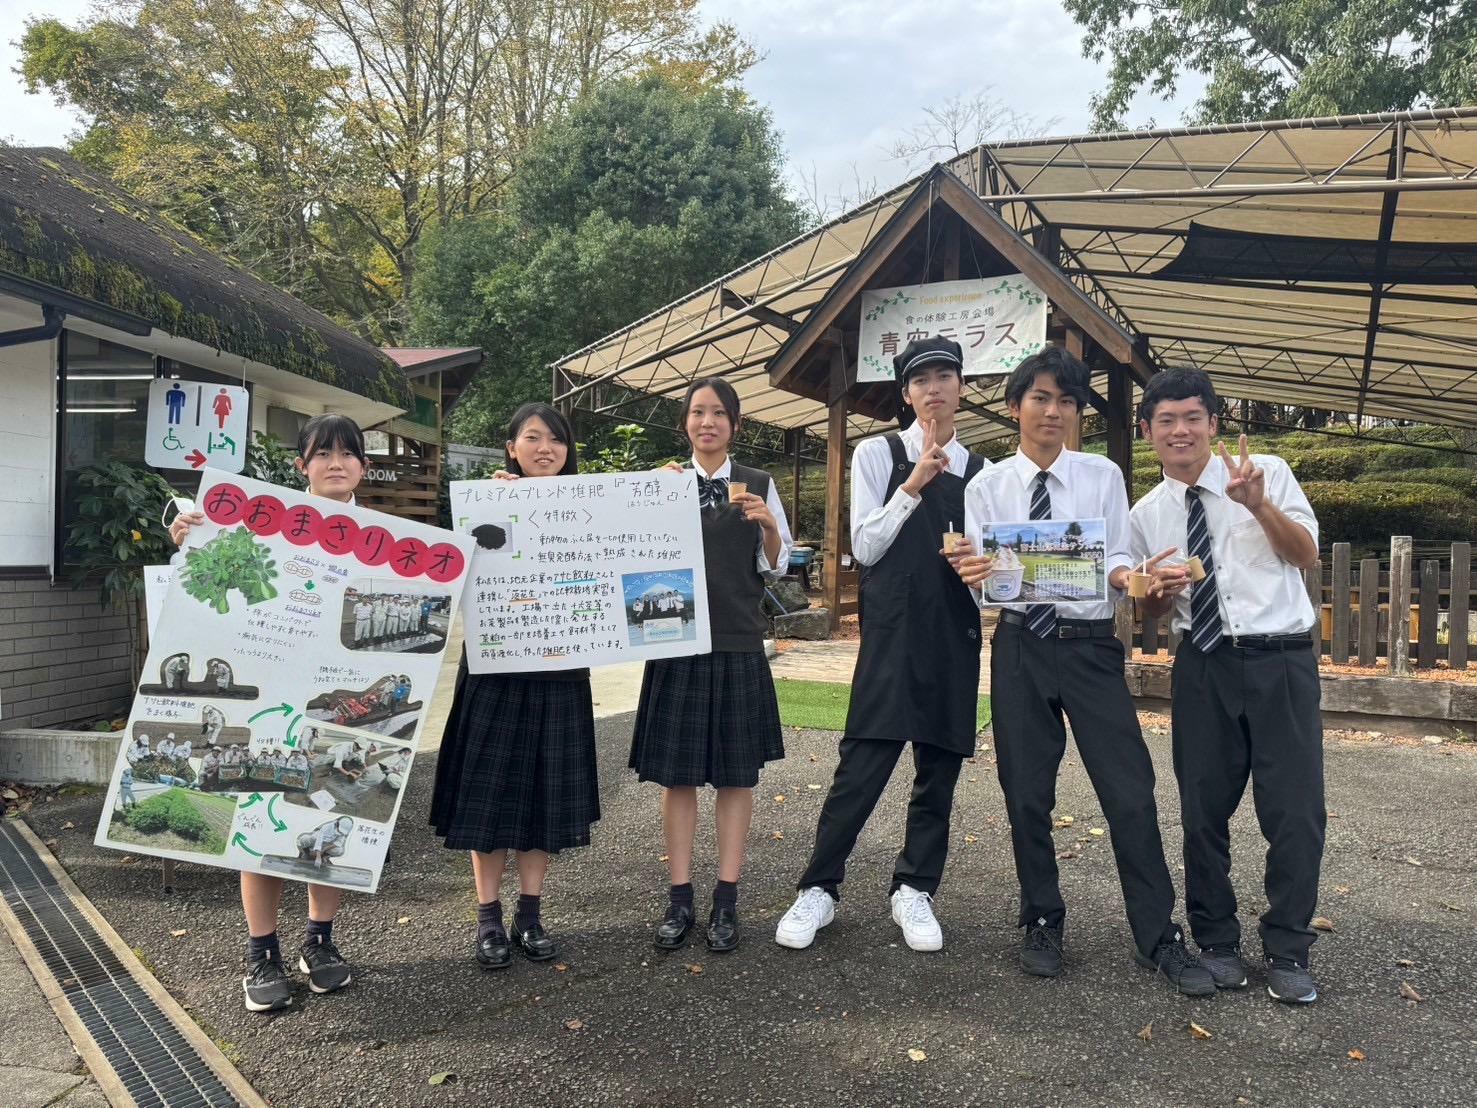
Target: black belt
[1066,628]
[1300,640]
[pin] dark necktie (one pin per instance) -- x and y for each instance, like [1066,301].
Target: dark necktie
[711,493]
[1041,618]
[1205,612]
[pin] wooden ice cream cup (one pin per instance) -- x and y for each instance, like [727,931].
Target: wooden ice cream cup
[1138,584]
[737,489]
[1197,570]
[951,540]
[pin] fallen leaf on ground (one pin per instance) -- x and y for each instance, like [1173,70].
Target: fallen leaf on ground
[1408,991]
[1065,821]
[778,835]
[970,839]
[1198,1032]
[1409,861]
[917,1055]
[445,1077]
[128,860]
[779,798]
[561,966]
[574,1025]
[1096,832]
[68,825]
[177,934]
[403,919]
[693,968]
[1063,855]
[812,757]
[1342,890]
[664,858]
[50,844]
[1147,1034]
[1405,963]
[1321,923]
[1356,1055]
[812,786]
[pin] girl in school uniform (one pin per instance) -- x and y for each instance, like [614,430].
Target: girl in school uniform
[330,453]
[517,766]
[712,719]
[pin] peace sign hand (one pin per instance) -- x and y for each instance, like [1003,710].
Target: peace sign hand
[1248,484]
[933,459]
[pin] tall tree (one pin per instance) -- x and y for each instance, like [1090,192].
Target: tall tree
[1291,58]
[644,191]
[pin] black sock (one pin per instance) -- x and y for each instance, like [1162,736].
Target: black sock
[262,946]
[682,894]
[489,919]
[725,894]
[527,914]
[319,932]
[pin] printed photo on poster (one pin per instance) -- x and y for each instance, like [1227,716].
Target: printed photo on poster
[659,606]
[163,816]
[182,676]
[352,775]
[324,854]
[385,614]
[1057,561]
[384,708]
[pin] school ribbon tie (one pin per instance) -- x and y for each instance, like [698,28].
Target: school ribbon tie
[1205,612]
[711,492]
[1041,618]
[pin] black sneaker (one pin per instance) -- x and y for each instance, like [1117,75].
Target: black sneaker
[266,986]
[1041,952]
[1225,965]
[1173,960]
[1289,981]
[325,967]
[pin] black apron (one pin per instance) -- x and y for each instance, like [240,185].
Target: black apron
[918,672]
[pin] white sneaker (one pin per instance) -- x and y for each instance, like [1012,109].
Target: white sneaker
[913,912]
[812,910]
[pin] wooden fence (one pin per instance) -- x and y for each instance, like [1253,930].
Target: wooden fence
[1365,617]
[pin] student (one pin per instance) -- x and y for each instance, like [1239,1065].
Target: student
[363,610]
[1245,688]
[139,750]
[517,768]
[210,769]
[125,789]
[377,620]
[712,719]
[183,751]
[396,768]
[330,454]
[165,749]
[326,842]
[1051,659]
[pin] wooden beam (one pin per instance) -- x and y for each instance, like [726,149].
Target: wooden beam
[1119,418]
[835,486]
[1076,346]
[743,304]
[798,435]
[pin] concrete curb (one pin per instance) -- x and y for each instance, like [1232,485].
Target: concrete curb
[40,757]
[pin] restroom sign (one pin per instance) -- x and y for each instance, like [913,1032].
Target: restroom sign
[193,424]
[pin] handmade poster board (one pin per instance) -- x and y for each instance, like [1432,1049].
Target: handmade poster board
[1044,561]
[585,570]
[268,733]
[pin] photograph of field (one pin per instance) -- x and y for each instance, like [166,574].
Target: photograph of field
[1045,560]
[172,818]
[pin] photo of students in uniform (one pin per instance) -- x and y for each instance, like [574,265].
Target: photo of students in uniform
[159,799]
[349,774]
[384,708]
[272,766]
[395,616]
[160,749]
[325,847]
[659,606]
[217,678]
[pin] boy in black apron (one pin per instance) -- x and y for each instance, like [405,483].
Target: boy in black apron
[917,675]
[1050,660]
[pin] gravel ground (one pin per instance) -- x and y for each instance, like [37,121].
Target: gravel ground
[614,1022]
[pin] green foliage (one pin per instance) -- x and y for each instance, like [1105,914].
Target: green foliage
[628,454]
[449,473]
[1459,478]
[268,460]
[1367,513]
[231,560]
[172,811]
[117,530]
[1288,59]
[809,525]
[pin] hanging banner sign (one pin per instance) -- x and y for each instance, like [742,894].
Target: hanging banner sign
[193,425]
[999,322]
[290,667]
[582,571]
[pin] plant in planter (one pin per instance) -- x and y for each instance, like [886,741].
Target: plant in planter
[267,459]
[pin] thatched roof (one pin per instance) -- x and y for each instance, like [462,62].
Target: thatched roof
[65,226]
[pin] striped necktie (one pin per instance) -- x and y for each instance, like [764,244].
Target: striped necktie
[1041,618]
[712,493]
[1205,612]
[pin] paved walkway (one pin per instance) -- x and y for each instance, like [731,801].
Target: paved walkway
[835,660]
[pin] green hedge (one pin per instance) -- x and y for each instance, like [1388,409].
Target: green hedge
[1450,477]
[170,811]
[1369,512]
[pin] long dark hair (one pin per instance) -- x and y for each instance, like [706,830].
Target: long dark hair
[727,396]
[558,427]
[331,431]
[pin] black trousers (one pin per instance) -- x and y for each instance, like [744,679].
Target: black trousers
[861,775]
[1240,713]
[1033,682]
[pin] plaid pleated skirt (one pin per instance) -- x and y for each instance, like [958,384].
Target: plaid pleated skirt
[517,768]
[710,719]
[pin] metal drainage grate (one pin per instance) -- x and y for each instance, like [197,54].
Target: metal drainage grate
[153,1061]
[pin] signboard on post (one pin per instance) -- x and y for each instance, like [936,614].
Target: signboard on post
[294,657]
[193,425]
[582,571]
[998,321]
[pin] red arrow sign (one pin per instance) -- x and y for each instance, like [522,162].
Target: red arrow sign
[196,459]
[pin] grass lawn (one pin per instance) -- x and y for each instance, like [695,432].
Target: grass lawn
[822,705]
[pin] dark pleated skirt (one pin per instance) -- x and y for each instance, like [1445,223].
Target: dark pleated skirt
[710,719]
[517,768]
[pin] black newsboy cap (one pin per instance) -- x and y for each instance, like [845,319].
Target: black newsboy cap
[921,353]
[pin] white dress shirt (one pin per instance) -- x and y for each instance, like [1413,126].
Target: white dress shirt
[1081,486]
[874,524]
[1259,593]
[776,508]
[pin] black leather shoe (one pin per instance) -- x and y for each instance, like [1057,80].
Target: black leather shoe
[723,929]
[671,933]
[493,952]
[536,946]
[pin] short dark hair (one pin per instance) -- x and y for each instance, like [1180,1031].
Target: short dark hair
[331,431]
[558,426]
[727,396]
[1178,383]
[1070,375]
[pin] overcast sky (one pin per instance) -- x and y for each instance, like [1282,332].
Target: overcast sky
[843,78]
